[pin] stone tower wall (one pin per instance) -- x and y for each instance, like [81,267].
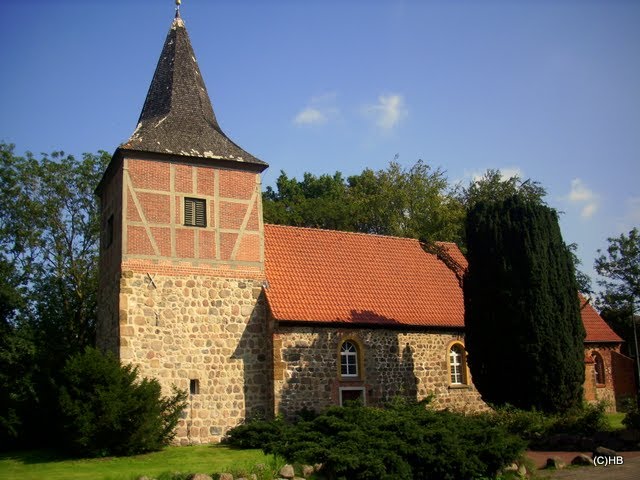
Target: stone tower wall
[185,326]
[188,299]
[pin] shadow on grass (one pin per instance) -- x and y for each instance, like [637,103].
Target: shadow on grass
[29,457]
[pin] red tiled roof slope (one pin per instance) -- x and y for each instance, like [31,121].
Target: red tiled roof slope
[331,276]
[597,329]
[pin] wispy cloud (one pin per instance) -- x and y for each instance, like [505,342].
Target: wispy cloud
[310,116]
[632,215]
[584,197]
[318,111]
[388,111]
[506,173]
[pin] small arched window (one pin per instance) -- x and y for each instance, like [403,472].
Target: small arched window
[348,359]
[598,368]
[457,364]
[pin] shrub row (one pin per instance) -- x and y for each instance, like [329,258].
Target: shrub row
[403,441]
[535,427]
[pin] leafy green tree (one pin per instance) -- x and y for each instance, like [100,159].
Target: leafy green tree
[315,202]
[415,202]
[583,280]
[49,234]
[107,410]
[493,187]
[524,333]
[620,299]
[16,359]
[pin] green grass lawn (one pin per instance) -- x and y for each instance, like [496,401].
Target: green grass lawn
[201,459]
[615,420]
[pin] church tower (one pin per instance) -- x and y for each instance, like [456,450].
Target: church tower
[182,253]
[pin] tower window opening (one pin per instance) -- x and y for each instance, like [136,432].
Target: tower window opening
[195,212]
[194,386]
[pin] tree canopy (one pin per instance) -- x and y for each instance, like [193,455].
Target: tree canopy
[407,202]
[49,234]
[524,334]
[619,300]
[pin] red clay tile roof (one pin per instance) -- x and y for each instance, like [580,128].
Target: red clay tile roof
[597,329]
[330,276]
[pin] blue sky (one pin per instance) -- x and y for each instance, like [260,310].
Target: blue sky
[548,90]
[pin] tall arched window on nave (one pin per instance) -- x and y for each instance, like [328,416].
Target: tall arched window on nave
[457,364]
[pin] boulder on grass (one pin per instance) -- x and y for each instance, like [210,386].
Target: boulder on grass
[582,459]
[287,471]
[555,462]
[605,452]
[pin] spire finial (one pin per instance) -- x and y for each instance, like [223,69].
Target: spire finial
[178,2]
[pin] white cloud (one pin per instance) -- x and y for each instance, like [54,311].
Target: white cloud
[510,172]
[633,211]
[388,112]
[506,173]
[584,197]
[318,111]
[310,116]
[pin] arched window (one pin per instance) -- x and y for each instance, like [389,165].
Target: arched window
[349,359]
[598,368]
[457,364]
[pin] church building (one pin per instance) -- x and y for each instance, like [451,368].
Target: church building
[255,320]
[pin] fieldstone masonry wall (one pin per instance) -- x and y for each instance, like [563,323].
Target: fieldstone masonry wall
[394,362]
[197,327]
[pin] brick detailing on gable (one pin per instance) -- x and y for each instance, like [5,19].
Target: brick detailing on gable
[154,225]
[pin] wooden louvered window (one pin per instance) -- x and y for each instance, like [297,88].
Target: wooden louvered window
[195,212]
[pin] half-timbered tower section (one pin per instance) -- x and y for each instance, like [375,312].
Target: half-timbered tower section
[182,253]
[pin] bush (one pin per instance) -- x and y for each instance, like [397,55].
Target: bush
[632,417]
[255,434]
[537,428]
[530,425]
[583,421]
[404,441]
[106,410]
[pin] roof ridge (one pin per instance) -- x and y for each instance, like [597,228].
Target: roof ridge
[347,232]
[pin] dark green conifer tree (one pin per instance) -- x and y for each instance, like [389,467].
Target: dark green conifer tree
[524,334]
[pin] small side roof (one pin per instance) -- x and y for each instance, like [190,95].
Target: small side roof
[597,329]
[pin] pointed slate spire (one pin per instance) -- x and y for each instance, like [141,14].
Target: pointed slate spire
[177,117]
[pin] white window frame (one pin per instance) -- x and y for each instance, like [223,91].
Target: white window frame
[346,356]
[457,365]
[360,389]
